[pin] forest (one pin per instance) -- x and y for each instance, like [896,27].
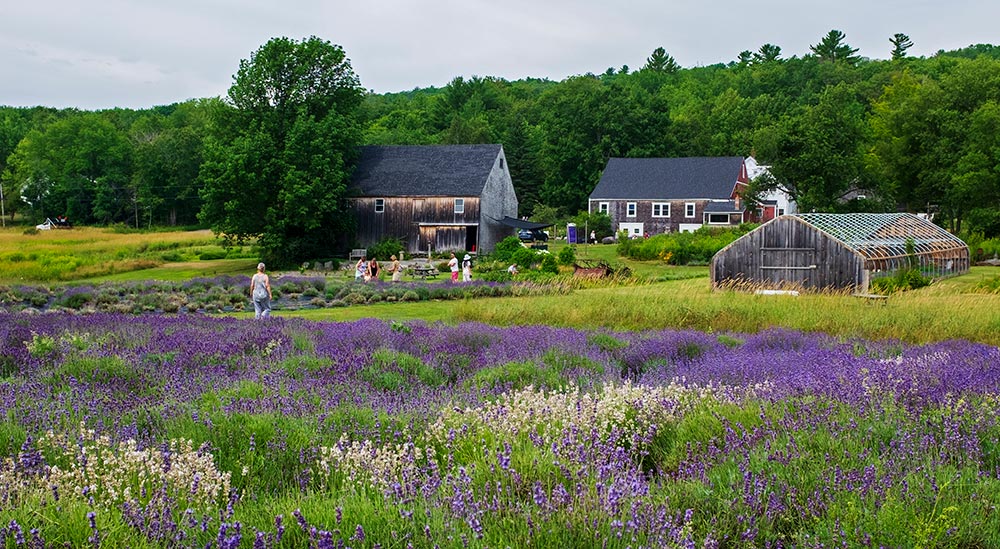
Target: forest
[840,132]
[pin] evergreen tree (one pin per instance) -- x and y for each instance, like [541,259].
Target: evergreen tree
[661,61]
[900,43]
[833,49]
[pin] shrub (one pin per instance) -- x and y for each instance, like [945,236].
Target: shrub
[549,264]
[385,248]
[525,257]
[504,250]
[410,295]
[567,255]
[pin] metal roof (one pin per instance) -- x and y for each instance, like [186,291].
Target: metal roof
[882,236]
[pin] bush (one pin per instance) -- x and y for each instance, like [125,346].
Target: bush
[524,257]
[549,264]
[505,249]
[385,248]
[567,255]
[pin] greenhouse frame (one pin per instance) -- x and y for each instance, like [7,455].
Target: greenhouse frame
[823,251]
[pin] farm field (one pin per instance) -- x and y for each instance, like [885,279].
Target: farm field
[656,414]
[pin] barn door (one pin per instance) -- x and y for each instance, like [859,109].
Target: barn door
[784,258]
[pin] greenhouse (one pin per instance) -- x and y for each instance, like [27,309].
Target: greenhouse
[838,251]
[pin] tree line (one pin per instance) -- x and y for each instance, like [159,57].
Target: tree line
[272,159]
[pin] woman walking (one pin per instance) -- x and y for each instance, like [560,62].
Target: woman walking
[260,293]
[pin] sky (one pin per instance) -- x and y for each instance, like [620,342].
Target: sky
[98,54]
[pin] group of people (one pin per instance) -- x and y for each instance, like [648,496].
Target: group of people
[367,269]
[466,268]
[260,283]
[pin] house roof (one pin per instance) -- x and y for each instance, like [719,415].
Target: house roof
[727,206]
[711,177]
[423,170]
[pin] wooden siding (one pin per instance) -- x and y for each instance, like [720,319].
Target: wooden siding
[618,210]
[787,252]
[407,219]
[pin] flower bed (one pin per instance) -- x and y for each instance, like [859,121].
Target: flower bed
[187,431]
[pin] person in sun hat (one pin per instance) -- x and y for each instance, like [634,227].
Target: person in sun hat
[260,293]
[466,268]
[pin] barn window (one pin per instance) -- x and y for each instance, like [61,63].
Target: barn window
[689,209]
[603,207]
[718,219]
[661,209]
[630,209]
[379,205]
[459,205]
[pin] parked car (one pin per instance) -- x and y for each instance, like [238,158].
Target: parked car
[530,235]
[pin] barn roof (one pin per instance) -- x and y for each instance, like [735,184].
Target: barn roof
[711,177]
[884,235]
[423,170]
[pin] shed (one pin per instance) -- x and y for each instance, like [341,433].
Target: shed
[838,251]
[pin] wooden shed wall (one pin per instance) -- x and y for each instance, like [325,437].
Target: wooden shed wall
[788,252]
[407,218]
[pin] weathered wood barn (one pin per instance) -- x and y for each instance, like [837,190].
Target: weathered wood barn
[447,197]
[837,251]
[663,195]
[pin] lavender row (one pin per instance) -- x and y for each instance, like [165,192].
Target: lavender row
[486,436]
[230,293]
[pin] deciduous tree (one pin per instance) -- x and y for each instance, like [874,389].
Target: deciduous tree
[278,168]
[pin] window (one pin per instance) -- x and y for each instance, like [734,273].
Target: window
[501,163]
[661,209]
[630,209]
[459,205]
[781,211]
[689,209]
[379,205]
[603,208]
[718,219]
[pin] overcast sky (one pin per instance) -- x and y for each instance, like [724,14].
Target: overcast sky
[95,54]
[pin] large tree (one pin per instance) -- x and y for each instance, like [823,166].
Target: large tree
[279,165]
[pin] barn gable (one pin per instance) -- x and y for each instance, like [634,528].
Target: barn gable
[448,197]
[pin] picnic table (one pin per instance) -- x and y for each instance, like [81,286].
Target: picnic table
[425,271]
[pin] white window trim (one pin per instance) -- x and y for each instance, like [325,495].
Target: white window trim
[379,205]
[604,207]
[459,205]
[631,207]
[711,215]
[663,206]
[690,210]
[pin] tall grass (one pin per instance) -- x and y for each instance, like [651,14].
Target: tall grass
[66,255]
[935,313]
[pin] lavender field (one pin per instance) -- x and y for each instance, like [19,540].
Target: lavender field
[194,431]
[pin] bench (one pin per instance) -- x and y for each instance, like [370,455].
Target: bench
[425,272]
[358,253]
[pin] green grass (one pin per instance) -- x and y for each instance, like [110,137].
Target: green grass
[95,254]
[948,309]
